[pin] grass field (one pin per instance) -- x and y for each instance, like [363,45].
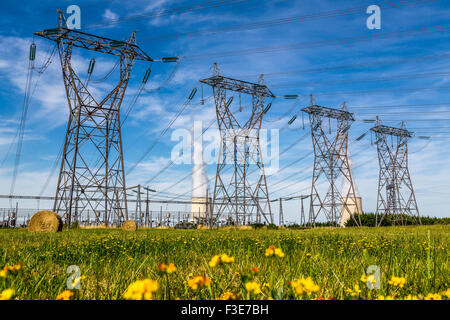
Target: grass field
[334,259]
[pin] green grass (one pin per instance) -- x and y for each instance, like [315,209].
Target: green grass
[335,259]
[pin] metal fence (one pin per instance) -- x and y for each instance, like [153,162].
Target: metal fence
[19,218]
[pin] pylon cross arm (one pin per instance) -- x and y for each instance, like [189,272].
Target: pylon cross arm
[239,86]
[95,43]
[329,112]
[382,129]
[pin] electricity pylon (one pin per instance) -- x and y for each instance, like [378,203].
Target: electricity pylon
[331,162]
[92,171]
[396,196]
[245,194]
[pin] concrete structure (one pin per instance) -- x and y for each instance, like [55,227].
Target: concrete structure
[349,209]
[199,208]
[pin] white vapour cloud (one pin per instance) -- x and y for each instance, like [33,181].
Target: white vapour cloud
[199,179]
[109,15]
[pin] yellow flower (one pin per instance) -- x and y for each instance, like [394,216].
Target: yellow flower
[433,296]
[411,297]
[141,289]
[229,296]
[65,295]
[162,267]
[77,281]
[224,258]
[272,250]
[214,261]
[6,269]
[389,297]
[279,252]
[253,287]
[171,268]
[307,285]
[7,294]
[355,291]
[446,293]
[369,278]
[17,267]
[397,281]
[198,282]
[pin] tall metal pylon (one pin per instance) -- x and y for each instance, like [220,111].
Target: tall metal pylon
[92,170]
[331,162]
[246,194]
[396,196]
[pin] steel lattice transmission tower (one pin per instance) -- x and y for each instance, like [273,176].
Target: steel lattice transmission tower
[244,193]
[396,196]
[92,171]
[331,162]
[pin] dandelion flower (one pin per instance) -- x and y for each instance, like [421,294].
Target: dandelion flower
[368,279]
[279,252]
[411,297]
[307,285]
[170,268]
[65,295]
[224,258]
[199,282]
[77,281]
[214,261]
[7,294]
[141,289]
[397,281]
[389,297]
[230,296]
[446,293]
[274,251]
[355,291]
[433,296]
[253,287]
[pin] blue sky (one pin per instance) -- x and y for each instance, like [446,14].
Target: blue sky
[400,76]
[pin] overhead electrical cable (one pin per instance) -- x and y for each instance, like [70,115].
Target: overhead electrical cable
[281,21]
[320,43]
[165,12]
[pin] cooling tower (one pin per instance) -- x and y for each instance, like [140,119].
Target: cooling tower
[199,208]
[349,209]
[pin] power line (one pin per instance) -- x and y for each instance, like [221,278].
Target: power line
[206,183]
[372,63]
[163,132]
[165,12]
[286,20]
[402,105]
[315,44]
[374,79]
[379,90]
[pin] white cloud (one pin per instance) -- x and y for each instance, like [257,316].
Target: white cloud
[109,15]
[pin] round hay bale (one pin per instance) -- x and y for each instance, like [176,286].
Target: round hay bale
[45,221]
[129,225]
